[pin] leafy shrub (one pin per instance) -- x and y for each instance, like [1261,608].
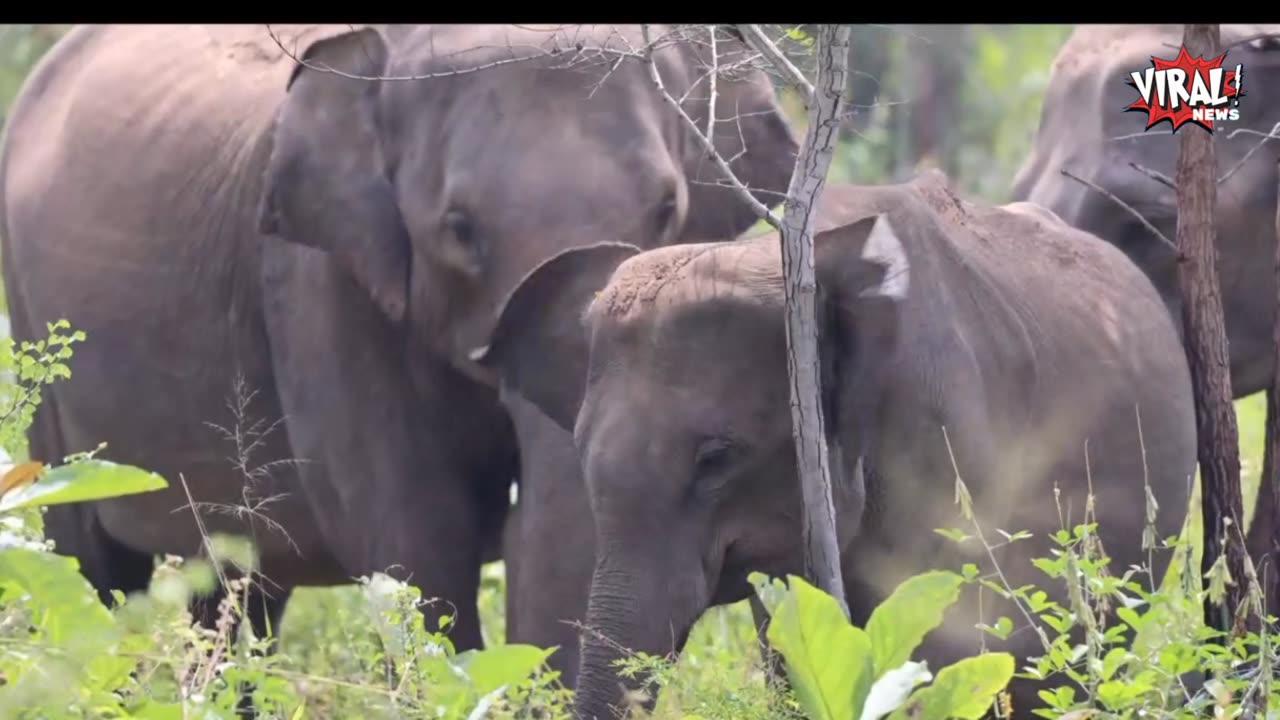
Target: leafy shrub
[842,672]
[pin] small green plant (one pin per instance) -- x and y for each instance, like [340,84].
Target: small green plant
[1149,663]
[1152,662]
[843,672]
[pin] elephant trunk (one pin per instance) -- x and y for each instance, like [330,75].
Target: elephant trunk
[633,608]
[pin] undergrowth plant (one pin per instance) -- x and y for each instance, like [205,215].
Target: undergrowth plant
[1129,644]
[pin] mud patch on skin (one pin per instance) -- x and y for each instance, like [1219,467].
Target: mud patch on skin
[640,280]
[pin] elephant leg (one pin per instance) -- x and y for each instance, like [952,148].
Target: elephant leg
[105,563]
[552,543]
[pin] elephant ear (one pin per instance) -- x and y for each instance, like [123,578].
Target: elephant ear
[539,346]
[750,131]
[863,278]
[327,184]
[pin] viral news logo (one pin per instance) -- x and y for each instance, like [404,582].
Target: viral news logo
[1188,90]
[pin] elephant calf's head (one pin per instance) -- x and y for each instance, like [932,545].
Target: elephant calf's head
[439,194]
[670,367]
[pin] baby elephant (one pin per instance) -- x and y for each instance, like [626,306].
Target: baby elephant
[995,343]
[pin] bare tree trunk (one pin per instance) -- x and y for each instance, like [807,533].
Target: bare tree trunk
[822,555]
[1206,347]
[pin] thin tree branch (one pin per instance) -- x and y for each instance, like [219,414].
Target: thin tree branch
[1134,136]
[757,39]
[1265,137]
[708,145]
[574,50]
[1250,38]
[1126,206]
[711,80]
[1159,177]
[1274,134]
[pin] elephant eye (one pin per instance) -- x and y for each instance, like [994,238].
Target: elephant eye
[665,213]
[714,458]
[459,223]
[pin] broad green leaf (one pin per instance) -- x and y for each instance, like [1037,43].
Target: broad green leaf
[80,481]
[899,624]
[893,688]
[828,661]
[493,667]
[964,689]
[78,631]
[65,604]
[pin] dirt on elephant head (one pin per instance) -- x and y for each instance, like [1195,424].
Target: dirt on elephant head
[640,280]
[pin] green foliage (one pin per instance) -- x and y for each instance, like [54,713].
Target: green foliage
[26,368]
[1003,71]
[964,689]
[1137,665]
[1005,81]
[841,672]
[80,481]
[830,663]
[915,607]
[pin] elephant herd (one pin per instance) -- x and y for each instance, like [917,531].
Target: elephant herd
[510,261]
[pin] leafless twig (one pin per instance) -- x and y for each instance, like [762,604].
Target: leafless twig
[760,42]
[1134,136]
[1251,38]
[1273,135]
[1126,206]
[707,143]
[575,51]
[711,81]
[1154,175]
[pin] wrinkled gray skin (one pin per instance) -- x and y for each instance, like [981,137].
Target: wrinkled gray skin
[1024,338]
[1084,129]
[205,210]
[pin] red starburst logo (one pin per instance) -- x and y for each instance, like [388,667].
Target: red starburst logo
[1187,90]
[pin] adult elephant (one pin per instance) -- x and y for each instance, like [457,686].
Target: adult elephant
[233,208]
[1085,130]
[1026,352]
